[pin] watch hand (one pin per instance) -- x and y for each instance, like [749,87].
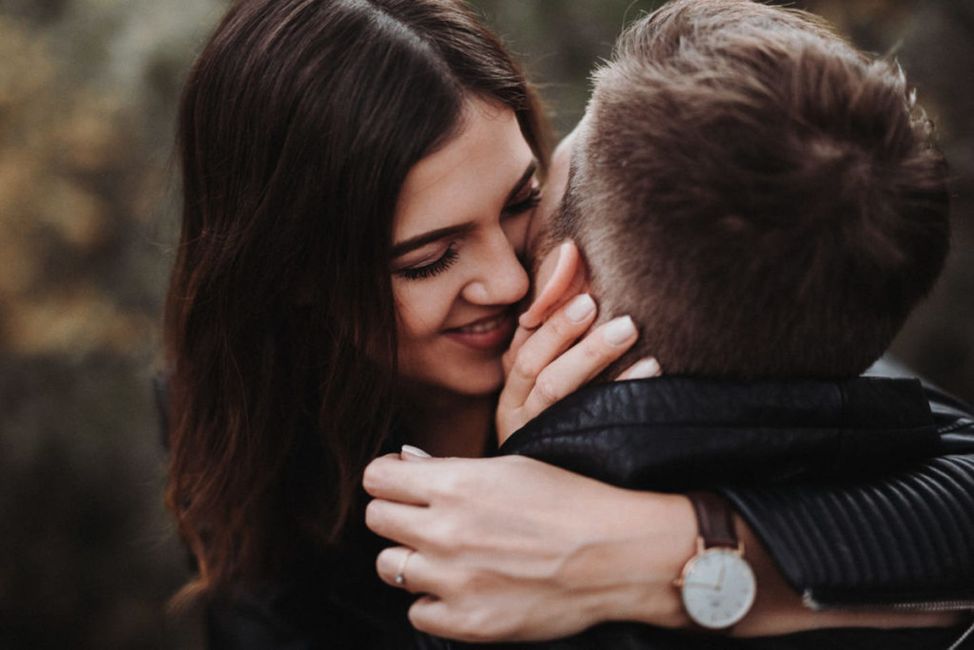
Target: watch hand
[720,578]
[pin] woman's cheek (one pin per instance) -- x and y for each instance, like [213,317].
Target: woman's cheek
[422,306]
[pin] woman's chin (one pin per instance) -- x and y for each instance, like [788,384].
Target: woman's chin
[477,385]
[479,380]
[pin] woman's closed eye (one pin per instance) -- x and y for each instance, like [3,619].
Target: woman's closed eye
[430,269]
[526,201]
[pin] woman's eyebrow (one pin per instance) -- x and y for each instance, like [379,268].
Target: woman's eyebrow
[419,241]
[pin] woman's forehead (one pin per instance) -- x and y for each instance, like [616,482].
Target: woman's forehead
[474,171]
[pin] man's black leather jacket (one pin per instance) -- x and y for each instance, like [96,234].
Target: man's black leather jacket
[859,490]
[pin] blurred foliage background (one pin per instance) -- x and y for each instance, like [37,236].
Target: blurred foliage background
[88,90]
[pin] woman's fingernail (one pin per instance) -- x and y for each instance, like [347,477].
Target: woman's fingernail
[620,330]
[580,308]
[562,249]
[645,369]
[414,451]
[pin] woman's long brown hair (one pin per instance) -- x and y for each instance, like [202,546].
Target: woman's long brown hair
[297,127]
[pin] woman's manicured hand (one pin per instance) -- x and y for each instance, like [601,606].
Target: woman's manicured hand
[547,367]
[551,355]
[510,548]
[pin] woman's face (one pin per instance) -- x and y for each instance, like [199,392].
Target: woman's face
[460,225]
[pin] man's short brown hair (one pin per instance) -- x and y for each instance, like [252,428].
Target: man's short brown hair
[764,200]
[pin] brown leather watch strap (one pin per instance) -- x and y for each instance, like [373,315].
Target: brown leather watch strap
[715,519]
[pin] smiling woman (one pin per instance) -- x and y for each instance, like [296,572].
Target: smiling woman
[336,274]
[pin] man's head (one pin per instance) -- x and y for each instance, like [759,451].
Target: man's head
[763,199]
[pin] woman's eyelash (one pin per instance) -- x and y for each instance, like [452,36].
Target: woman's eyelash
[433,268]
[450,256]
[532,201]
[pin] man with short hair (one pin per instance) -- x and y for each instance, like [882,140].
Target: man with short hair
[764,200]
[768,204]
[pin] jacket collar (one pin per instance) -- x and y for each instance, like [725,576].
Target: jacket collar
[653,431]
[862,402]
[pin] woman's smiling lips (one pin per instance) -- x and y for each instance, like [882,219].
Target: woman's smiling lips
[490,333]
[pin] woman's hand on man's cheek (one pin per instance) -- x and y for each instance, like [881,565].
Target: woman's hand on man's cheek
[546,365]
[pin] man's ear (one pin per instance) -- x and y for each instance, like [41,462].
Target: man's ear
[561,276]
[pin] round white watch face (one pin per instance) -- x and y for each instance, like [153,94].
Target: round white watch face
[718,588]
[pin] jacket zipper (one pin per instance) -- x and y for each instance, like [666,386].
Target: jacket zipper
[808,599]
[962,639]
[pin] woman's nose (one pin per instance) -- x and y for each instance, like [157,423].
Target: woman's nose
[501,279]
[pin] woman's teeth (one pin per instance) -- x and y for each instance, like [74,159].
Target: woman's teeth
[482,327]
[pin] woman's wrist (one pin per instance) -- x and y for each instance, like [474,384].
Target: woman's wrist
[642,542]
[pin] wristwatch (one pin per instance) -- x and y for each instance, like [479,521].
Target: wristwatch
[717,584]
